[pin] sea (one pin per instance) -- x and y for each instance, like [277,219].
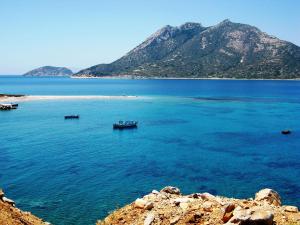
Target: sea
[217,136]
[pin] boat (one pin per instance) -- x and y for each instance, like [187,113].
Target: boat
[72,117]
[8,106]
[125,125]
[286,132]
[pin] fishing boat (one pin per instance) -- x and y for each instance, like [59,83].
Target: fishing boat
[8,106]
[125,125]
[72,117]
[286,132]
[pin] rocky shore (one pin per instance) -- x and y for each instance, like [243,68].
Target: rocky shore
[169,206]
[10,215]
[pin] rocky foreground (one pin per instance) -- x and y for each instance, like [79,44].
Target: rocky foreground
[10,215]
[169,206]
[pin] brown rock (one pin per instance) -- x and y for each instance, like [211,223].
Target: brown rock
[268,195]
[240,215]
[229,207]
[143,204]
[171,190]
[174,220]
[254,216]
[207,196]
[149,219]
[149,205]
[140,203]
[289,208]
[263,217]
[227,216]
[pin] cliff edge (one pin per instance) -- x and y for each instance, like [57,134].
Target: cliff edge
[170,207]
[10,215]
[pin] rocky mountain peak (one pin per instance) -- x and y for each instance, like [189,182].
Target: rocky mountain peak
[190,25]
[226,50]
[226,21]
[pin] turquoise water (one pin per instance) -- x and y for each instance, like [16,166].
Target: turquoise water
[221,137]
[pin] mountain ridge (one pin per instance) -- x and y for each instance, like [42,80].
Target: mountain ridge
[226,50]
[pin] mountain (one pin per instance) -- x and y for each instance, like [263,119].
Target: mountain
[49,71]
[226,50]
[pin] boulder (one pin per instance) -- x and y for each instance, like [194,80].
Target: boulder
[268,195]
[254,216]
[149,219]
[240,215]
[143,204]
[9,201]
[171,190]
[228,214]
[149,205]
[289,208]
[263,217]
[207,196]
[229,207]
[140,203]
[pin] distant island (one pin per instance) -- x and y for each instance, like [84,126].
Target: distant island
[49,71]
[226,50]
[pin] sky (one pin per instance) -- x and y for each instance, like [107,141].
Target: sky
[81,33]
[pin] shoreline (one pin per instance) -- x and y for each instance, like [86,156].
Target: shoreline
[25,98]
[130,77]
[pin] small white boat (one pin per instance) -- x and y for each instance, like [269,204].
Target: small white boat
[125,125]
[8,106]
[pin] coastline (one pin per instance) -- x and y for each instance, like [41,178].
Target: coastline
[65,97]
[130,77]
[170,206]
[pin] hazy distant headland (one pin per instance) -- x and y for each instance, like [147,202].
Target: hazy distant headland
[49,71]
[226,50]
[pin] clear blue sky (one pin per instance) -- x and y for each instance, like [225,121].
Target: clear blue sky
[82,33]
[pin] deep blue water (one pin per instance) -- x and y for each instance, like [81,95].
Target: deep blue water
[217,136]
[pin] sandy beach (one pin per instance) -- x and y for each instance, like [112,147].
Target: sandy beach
[65,97]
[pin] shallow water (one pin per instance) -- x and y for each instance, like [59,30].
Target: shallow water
[217,136]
